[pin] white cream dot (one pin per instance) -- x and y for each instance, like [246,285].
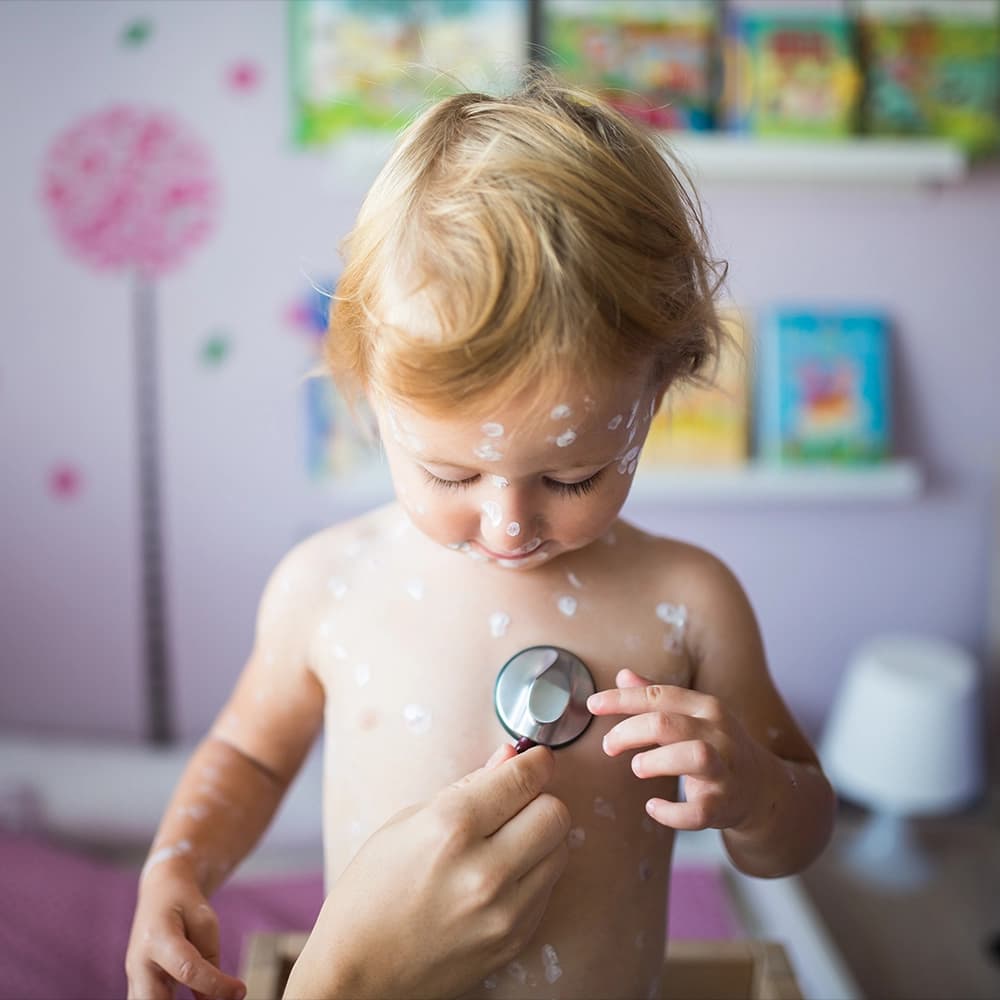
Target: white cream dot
[417,719]
[551,962]
[492,430]
[493,511]
[615,422]
[574,580]
[499,623]
[561,412]
[487,452]
[517,972]
[566,438]
[604,808]
[576,836]
[567,605]
[500,482]
[513,529]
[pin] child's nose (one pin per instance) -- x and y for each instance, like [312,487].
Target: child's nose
[507,522]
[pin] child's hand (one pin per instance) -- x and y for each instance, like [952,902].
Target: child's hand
[693,735]
[175,939]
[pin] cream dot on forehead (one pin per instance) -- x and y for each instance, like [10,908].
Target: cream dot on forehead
[492,429]
[487,452]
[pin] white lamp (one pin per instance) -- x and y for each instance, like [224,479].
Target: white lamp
[904,737]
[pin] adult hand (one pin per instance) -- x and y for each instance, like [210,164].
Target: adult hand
[445,892]
[693,735]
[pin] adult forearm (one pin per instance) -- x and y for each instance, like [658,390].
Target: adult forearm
[221,806]
[791,825]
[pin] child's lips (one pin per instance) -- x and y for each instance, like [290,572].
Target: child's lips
[515,554]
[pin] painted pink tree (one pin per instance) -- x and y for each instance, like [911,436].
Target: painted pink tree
[132,190]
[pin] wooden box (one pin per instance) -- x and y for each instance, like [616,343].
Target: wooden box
[694,970]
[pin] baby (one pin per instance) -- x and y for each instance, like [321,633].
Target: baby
[526,280]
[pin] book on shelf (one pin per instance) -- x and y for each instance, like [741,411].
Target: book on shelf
[653,61]
[707,425]
[823,386]
[790,69]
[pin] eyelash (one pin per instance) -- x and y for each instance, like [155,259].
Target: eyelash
[579,489]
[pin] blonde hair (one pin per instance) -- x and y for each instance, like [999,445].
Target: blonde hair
[549,235]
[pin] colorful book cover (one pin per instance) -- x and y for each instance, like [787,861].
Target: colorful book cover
[823,391]
[790,70]
[370,65]
[707,425]
[933,69]
[654,61]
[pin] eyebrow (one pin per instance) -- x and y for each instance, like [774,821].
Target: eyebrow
[564,470]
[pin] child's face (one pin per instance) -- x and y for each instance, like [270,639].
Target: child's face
[517,491]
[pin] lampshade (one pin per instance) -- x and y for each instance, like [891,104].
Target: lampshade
[904,735]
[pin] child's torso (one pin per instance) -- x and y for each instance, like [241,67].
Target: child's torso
[408,650]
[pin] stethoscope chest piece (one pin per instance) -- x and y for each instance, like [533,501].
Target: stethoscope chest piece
[541,696]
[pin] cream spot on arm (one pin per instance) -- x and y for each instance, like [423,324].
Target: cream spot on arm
[561,412]
[550,959]
[566,438]
[576,837]
[615,422]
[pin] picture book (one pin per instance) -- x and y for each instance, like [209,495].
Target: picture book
[790,70]
[823,387]
[707,425]
[654,61]
[933,69]
[370,65]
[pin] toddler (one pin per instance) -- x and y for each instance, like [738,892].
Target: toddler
[526,279]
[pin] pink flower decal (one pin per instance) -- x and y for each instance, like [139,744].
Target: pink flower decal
[130,188]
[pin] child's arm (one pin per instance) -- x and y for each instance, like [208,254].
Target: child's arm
[747,768]
[226,797]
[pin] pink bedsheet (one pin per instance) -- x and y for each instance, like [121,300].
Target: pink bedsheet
[64,918]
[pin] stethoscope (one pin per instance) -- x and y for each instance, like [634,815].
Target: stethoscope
[540,697]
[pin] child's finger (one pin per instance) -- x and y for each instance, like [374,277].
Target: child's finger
[677,815]
[650,698]
[181,960]
[692,758]
[649,729]
[629,678]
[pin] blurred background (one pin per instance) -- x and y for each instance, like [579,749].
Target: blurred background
[177,177]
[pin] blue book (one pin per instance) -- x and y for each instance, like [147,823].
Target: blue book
[823,387]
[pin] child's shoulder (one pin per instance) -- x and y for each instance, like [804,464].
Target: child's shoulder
[692,573]
[313,561]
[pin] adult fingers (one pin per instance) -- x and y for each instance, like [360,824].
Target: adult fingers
[537,831]
[535,886]
[693,758]
[654,698]
[650,729]
[493,796]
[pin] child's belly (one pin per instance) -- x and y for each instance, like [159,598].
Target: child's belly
[396,739]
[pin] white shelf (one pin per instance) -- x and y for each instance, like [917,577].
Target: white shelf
[895,481]
[891,482]
[860,159]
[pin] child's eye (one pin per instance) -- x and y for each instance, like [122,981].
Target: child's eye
[450,484]
[579,489]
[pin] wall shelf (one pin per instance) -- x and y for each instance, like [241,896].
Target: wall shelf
[857,160]
[896,481]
